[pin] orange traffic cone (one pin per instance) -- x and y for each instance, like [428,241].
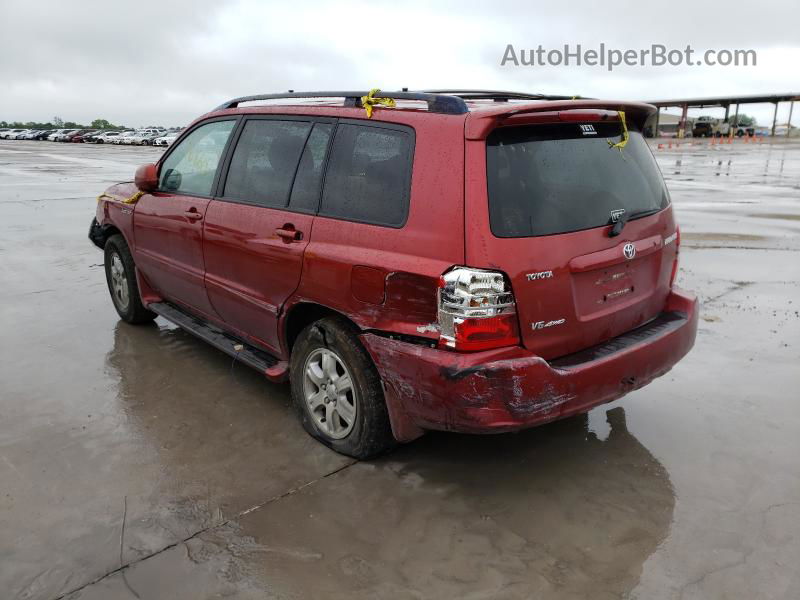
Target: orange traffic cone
[661,146]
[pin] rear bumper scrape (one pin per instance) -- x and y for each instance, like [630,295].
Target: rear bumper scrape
[510,388]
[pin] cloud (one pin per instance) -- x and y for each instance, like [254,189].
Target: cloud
[148,62]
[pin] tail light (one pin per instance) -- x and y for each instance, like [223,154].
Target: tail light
[476,310]
[677,253]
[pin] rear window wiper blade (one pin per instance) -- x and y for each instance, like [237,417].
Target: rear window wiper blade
[619,224]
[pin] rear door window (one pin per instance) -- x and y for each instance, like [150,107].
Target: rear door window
[265,161]
[549,179]
[368,178]
[306,188]
[191,168]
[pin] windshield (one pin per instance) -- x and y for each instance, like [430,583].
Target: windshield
[548,179]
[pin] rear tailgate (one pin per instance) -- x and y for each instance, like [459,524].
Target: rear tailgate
[543,198]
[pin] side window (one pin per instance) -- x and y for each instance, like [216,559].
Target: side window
[191,167]
[368,176]
[265,160]
[305,191]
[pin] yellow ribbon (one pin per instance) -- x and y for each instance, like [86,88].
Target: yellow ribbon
[132,200]
[370,100]
[621,144]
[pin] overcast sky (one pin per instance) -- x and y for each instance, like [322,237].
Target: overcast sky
[165,62]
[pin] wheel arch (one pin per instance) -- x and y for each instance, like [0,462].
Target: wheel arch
[99,234]
[302,314]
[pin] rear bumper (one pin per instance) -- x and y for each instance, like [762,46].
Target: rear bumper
[511,388]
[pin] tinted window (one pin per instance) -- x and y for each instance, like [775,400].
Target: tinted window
[191,167]
[368,175]
[305,192]
[265,160]
[546,179]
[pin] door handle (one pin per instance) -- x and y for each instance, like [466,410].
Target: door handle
[289,234]
[192,214]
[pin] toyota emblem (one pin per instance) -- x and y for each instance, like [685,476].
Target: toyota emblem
[629,250]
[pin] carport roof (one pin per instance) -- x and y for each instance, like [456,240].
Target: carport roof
[726,100]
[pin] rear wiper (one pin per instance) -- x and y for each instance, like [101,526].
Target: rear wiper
[619,224]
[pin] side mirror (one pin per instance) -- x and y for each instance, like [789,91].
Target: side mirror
[146,178]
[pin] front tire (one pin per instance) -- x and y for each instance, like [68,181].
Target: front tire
[121,280]
[337,391]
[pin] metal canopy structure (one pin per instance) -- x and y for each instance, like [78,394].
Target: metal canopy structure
[726,102]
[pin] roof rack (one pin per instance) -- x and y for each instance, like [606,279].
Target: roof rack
[497,95]
[448,104]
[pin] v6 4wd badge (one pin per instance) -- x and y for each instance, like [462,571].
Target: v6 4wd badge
[544,324]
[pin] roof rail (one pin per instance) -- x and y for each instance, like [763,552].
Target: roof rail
[498,95]
[447,104]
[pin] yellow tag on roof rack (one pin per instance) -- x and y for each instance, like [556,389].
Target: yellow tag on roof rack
[621,144]
[370,100]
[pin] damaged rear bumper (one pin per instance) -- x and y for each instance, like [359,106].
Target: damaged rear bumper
[510,388]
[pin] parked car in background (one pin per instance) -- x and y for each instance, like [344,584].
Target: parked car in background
[103,137]
[42,134]
[80,137]
[492,309]
[124,137]
[91,137]
[144,137]
[62,136]
[742,130]
[703,129]
[23,134]
[32,134]
[73,134]
[167,139]
[10,134]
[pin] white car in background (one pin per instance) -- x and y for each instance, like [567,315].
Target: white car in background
[52,137]
[167,139]
[143,137]
[107,138]
[124,137]
[10,134]
[61,136]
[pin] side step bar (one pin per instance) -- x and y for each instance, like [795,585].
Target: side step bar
[273,368]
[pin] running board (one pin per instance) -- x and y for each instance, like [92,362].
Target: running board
[273,368]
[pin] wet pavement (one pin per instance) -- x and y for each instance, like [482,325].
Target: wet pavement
[136,462]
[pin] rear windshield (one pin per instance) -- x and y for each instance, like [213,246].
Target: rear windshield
[548,179]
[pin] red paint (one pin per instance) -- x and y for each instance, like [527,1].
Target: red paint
[146,178]
[251,270]
[247,269]
[512,388]
[368,284]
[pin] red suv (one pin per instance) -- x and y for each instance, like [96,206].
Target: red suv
[460,260]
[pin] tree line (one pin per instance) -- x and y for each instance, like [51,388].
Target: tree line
[59,123]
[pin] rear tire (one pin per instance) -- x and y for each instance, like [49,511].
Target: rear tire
[337,391]
[121,280]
